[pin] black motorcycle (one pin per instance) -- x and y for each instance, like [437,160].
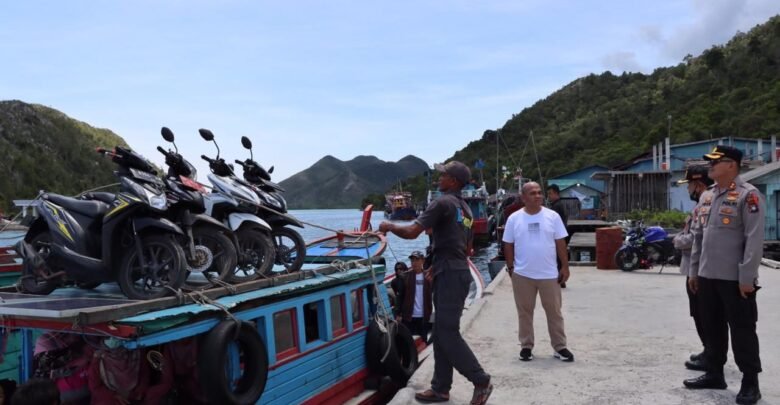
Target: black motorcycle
[92,242]
[210,250]
[290,246]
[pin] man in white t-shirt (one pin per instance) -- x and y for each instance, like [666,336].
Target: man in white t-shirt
[534,237]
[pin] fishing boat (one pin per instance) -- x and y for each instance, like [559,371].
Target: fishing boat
[347,245]
[399,207]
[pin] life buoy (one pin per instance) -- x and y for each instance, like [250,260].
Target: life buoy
[401,360]
[213,357]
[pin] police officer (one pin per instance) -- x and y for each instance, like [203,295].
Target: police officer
[697,180]
[724,273]
[449,217]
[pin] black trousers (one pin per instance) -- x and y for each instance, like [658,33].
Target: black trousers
[722,308]
[450,289]
[693,305]
[419,327]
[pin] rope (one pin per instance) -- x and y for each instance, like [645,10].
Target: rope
[383,318]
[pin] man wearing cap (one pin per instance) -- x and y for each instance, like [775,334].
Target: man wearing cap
[697,181]
[416,302]
[725,258]
[450,218]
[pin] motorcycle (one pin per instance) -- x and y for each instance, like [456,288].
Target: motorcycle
[644,247]
[235,204]
[89,242]
[289,244]
[209,249]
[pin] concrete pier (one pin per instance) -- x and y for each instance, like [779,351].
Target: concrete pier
[630,334]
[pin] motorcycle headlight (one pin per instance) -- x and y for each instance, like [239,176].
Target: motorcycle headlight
[157,201]
[269,199]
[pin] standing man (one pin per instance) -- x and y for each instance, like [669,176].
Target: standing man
[416,302]
[533,238]
[724,273]
[554,196]
[698,181]
[449,217]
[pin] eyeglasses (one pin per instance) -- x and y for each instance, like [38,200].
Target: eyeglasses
[721,160]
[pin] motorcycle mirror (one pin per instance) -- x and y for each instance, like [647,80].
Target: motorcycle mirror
[209,136]
[246,142]
[271,170]
[167,134]
[206,134]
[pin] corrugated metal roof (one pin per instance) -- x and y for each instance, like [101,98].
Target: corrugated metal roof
[760,171]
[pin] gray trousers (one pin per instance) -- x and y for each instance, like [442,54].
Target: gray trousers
[450,290]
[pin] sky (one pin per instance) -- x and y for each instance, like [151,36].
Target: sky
[305,79]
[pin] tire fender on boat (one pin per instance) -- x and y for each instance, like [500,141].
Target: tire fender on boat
[213,358]
[401,360]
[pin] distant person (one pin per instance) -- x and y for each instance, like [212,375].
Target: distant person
[38,391]
[416,301]
[397,285]
[697,181]
[554,197]
[533,237]
[724,273]
[450,219]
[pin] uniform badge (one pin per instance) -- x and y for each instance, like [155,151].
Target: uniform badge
[733,186]
[708,200]
[726,220]
[752,202]
[734,194]
[702,219]
[726,210]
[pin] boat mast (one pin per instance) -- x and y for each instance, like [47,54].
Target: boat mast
[498,133]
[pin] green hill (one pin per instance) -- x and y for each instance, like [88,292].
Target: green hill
[333,183]
[44,149]
[728,90]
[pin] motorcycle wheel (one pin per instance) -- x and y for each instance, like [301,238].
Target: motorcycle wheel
[257,250]
[627,260]
[290,248]
[32,283]
[163,271]
[215,258]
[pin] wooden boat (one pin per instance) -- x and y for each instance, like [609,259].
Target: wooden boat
[314,336]
[399,207]
[344,246]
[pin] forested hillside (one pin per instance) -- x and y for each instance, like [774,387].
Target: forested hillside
[728,90]
[43,148]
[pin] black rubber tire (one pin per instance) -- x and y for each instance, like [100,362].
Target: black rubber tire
[402,361]
[172,273]
[627,260]
[256,243]
[284,251]
[31,285]
[376,346]
[212,359]
[224,253]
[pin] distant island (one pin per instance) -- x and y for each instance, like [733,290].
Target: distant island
[333,183]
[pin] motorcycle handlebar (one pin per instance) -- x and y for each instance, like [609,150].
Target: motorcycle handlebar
[206,158]
[240,163]
[161,150]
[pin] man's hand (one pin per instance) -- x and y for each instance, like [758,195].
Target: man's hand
[745,289]
[428,274]
[563,274]
[693,284]
[385,227]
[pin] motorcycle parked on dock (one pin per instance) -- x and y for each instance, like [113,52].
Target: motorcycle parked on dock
[89,242]
[644,247]
[235,204]
[209,244]
[289,244]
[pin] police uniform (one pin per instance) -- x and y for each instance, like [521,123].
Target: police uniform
[725,254]
[683,241]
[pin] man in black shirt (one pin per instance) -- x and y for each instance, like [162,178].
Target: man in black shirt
[554,196]
[450,219]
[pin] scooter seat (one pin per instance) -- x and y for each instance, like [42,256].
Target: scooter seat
[103,196]
[91,209]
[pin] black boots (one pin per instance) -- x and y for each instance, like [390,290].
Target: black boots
[706,381]
[749,393]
